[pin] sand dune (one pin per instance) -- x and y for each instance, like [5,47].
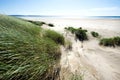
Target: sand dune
[91,60]
[88,59]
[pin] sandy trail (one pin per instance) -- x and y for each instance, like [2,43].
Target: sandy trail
[91,61]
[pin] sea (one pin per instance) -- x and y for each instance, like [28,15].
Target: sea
[81,17]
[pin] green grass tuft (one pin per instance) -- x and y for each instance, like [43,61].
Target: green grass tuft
[51,25]
[94,34]
[77,77]
[79,33]
[115,41]
[36,22]
[58,38]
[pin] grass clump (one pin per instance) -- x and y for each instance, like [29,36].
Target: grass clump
[117,41]
[79,33]
[68,45]
[94,34]
[112,42]
[51,25]
[37,22]
[24,53]
[77,76]
[71,29]
[58,38]
[107,42]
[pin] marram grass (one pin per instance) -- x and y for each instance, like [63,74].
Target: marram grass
[24,53]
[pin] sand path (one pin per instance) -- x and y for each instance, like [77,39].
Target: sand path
[90,60]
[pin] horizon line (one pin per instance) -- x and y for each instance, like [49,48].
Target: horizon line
[59,15]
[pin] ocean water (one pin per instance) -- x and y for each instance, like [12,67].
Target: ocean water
[82,17]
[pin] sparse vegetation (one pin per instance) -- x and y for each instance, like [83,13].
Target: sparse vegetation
[79,33]
[94,34]
[68,45]
[51,25]
[76,77]
[107,42]
[58,38]
[24,53]
[117,41]
[110,41]
[71,29]
[37,22]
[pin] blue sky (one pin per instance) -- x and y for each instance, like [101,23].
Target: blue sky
[61,7]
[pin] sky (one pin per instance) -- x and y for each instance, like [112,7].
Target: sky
[61,7]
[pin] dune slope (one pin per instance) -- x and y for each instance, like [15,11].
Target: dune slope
[89,60]
[25,52]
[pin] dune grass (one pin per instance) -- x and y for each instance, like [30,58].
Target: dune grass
[51,25]
[58,38]
[77,76]
[39,23]
[24,53]
[117,40]
[79,33]
[112,42]
[94,34]
[71,29]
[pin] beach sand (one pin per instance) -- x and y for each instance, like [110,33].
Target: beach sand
[60,23]
[92,61]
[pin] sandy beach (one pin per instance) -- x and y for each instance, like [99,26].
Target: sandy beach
[93,61]
[60,23]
